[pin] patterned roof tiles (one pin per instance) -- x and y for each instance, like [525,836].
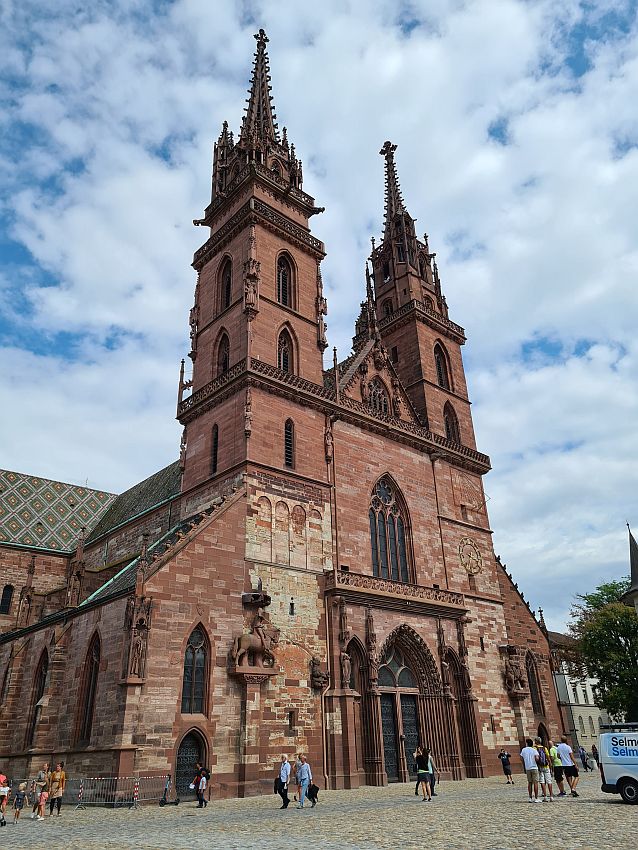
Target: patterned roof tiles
[47,514]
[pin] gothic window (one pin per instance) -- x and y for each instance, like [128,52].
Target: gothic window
[534,684]
[440,361]
[289,443]
[400,252]
[223,355]
[195,673]
[427,303]
[226,284]
[386,272]
[7,597]
[214,446]
[387,307]
[284,352]
[452,430]
[89,690]
[422,266]
[276,170]
[284,281]
[388,535]
[39,686]
[378,397]
[394,673]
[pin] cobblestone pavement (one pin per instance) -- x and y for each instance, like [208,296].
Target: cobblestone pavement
[483,814]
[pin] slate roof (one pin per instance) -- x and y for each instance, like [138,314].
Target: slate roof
[138,499]
[559,639]
[47,514]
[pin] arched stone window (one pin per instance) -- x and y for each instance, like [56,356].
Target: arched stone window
[441,364]
[378,397]
[214,447]
[223,355]
[285,281]
[394,672]
[285,360]
[388,532]
[89,691]
[289,444]
[39,687]
[581,725]
[225,284]
[451,422]
[592,728]
[534,684]
[7,597]
[387,307]
[194,690]
[422,266]
[276,169]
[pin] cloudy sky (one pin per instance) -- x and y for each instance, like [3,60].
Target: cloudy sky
[517,130]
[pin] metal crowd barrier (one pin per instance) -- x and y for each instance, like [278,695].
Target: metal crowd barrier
[109,791]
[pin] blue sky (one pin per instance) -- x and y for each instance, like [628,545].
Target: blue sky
[517,151]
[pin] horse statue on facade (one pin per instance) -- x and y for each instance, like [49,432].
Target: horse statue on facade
[257,646]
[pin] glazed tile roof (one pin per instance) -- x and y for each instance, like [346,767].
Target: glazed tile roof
[47,514]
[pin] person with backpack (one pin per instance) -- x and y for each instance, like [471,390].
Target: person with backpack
[544,770]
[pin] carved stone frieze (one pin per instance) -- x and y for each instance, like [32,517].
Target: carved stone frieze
[357,581]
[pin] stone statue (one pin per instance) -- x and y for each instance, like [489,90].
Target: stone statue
[248,413]
[346,669]
[258,645]
[328,441]
[137,652]
[318,678]
[514,677]
[250,293]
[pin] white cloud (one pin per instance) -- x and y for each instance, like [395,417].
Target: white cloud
[535,239]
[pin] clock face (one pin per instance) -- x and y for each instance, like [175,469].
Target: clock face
[384,492]
[469,556]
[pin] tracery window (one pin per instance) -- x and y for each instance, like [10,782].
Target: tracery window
[394,673]
[387,307]
[39,686]
[195,673]
[289,443]
[284,281]
[214,446]
[378,397]
[89,690]
[284,352]
[226,284]
[7,597]
[440,362]
[534,684]
[223,355]
[422,266]
[388,534]
[450,419]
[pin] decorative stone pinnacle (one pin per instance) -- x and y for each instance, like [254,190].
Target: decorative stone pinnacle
[393,198]
[262,39]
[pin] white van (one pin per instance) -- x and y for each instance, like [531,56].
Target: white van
[618,754]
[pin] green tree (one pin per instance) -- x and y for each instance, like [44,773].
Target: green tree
[611,591]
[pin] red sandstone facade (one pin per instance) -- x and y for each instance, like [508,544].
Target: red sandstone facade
[347,503]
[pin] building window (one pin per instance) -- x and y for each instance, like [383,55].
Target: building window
[289,444]
[422,266]
[534,684]
[223,355]
[386,272]
[378,397]
[214,446]
[581,725]
[226,284]
[400,253]
[284,281]
[452,430]
[394,354]
[388,532]
[195,671]
[39,687]
[7,597]
[592,728]
[440,361]
[276,170]
[284,352]
[89,690]
[387,307]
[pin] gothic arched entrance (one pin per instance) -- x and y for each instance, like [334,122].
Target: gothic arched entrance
[399,714]
[359,683]
[192,749]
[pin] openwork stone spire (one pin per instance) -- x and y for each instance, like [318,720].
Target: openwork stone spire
[393,198]
[260,124]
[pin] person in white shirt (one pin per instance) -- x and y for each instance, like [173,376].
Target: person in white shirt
[284,779]
[570,768]
[529,757]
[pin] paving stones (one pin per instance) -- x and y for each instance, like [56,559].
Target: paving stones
[478,814]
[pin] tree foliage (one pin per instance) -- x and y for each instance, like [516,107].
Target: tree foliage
[606,647]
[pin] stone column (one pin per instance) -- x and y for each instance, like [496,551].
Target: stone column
[251,715]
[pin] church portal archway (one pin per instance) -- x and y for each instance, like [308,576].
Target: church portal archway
[192,749]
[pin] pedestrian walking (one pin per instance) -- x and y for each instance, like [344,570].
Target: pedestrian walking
[283,780]
[505,757]
[40,784]
[201,790]
[544,770]
[19,801]
[568,763]
[297,783]
[595,756]
[57,781]
[422,774]
[529,757]
[304,779]
[434,774]
[584,758]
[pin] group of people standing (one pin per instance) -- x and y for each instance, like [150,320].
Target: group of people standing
[302,775]
[48,786]
[543,765]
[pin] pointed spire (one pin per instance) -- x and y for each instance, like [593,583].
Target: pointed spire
[393,198]
[371,309]
[260,121]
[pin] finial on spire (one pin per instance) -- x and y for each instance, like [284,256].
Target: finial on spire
[393,198]
[262,39]
[260,121]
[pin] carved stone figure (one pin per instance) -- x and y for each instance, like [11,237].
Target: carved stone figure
[137,652]
[514,676]
[258,645]
[318,677]
[346,669]
[250,294]
[248,413]
[344,632]
[182,450]
[328,441]
[193,320]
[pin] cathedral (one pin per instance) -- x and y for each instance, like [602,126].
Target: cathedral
[315,573]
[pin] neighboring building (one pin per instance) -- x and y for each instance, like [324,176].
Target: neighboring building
[582,718]
[316,573]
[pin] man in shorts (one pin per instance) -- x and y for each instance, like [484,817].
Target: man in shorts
[544,770]
[504,758]
[557,768]
[529,757]
[568,763]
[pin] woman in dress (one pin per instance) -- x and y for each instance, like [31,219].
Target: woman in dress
[422,764]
